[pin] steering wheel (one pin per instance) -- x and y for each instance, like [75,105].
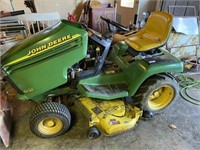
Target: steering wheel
[114,23]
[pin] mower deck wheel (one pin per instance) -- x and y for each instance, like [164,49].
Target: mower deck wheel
[93,133]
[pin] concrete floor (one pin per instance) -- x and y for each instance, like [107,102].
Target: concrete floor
[155,134]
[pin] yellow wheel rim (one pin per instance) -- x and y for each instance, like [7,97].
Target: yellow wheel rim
[50,126]
[161,97]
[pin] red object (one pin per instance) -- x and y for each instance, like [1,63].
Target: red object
[5,119]
[71,18]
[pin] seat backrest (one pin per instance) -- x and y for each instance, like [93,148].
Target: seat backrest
[35,22]
[159,24]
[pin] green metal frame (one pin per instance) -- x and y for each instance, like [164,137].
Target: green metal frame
[134,74]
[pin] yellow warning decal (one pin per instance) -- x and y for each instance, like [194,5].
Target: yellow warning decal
[45,47]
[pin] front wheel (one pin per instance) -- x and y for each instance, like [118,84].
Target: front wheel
[157,93]
[50,120]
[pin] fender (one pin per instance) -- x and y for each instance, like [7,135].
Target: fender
[138,69]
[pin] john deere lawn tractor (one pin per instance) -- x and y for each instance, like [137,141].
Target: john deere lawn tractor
[113,84]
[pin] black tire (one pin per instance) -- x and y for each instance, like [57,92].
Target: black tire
[157,93]
[93,133]
[50,119]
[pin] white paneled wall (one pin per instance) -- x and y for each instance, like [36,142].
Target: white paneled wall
[62,6]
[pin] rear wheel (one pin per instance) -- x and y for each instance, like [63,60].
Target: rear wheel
[157,93]
[50,120]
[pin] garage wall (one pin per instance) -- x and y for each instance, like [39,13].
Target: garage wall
[126,15]
[62,6]
[146,5]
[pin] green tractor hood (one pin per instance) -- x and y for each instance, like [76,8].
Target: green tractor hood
[59,46]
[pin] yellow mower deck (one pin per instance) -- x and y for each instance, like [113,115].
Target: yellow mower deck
[110,117]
